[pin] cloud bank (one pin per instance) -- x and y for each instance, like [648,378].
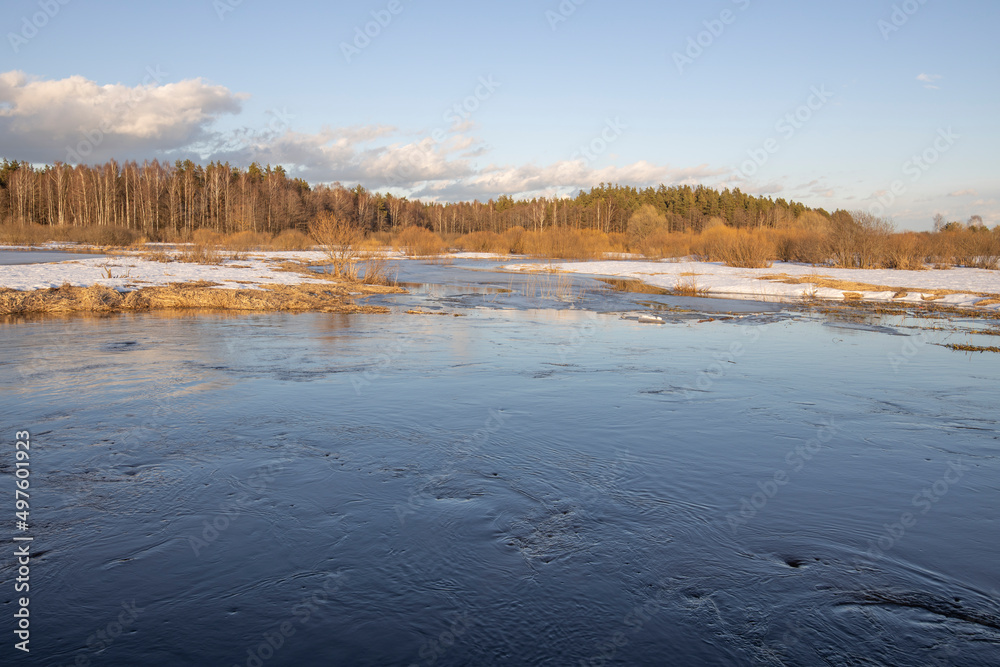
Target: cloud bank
[76,120]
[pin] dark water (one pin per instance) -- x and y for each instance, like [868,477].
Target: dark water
[12,257]
[520,486]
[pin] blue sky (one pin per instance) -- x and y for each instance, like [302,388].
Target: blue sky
[239,81]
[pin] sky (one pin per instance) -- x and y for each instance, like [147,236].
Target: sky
[885,106]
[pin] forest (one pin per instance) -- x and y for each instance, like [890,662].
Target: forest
[159,199]
[219,205]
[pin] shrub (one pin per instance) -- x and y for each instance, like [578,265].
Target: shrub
[647,220]
[805,245]
[419,241]
[11,234]
[662,243]
[247,240]
[736,247]
[813,221]
[568,243]
[291,239]
[514,237]
[339,239]
[905,252]
[490,242]
[100,236]
[206,237]
[858,240]
[978,248]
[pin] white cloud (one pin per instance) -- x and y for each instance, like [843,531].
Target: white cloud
[445,170]
[51,120]
[962,193]
[929,79]
[765,189]
[44,121]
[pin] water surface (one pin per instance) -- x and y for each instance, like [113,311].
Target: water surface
[527,484]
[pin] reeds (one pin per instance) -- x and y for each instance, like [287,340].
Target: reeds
[688,286]
[202,295]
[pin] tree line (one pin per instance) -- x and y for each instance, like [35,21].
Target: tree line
[158,197]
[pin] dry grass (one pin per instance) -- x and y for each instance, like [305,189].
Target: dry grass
[375,268]
[689,287]
[737,247]
[852,285]
[200,254]
[633,286]
[969,348]
[856,240]
[95,236]
[549,285]
[200,295]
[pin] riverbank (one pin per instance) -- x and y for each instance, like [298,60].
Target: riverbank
[180,277]
[977,289]
[128,281]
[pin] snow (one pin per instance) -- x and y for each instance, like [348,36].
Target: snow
[721,280]
[132,272]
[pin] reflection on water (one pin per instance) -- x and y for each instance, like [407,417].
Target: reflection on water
[517,486]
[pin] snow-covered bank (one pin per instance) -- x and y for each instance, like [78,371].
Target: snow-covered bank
[128,272]
[967,285]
